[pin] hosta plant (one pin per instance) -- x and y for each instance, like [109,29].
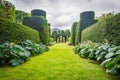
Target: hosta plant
[13,54]
[106,54]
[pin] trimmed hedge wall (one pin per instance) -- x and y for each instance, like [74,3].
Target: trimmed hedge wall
[12,32]
[38,12]
[41,25]
[108,29]
[7,11]
[95,33]
[73,33]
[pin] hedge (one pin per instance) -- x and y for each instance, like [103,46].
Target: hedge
[84,23]
[87,15]
[73,33]
[41,25]
[6,11]
[95,33]
[108,29]
[13,32]
[78,33]
[20,15]
[87,19]
[38,12]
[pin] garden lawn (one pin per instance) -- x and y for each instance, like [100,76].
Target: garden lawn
[60,63]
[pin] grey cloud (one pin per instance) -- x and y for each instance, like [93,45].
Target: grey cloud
[62,13]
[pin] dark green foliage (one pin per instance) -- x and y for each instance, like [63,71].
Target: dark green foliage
[107,29]
[13,54]
[113,29]
[38,12]
[68,34]
[49,24]
[95,33]
[41,25]
[7,11]
[61,35]
[87,19]
[87,15]
[108,55]
[12,32]
[73,33]
[20,15]
[78,34]
[34,48]
[84,23]
[54,35]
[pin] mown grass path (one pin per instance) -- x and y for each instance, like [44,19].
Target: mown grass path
[60,63]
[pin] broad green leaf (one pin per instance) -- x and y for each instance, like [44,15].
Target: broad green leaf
[104,62]
[109,55]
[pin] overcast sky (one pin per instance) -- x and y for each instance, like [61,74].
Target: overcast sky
[62,13]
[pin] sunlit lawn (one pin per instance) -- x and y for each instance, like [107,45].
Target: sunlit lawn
[60,63]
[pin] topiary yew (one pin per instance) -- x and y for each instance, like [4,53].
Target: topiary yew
[38,12]
[41,25]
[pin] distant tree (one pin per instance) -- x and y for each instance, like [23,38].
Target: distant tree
[68,34]
[63,35]
[54,35]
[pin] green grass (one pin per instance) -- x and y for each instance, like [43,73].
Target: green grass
[60,63]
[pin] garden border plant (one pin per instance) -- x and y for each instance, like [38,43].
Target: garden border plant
[13,54]
[106,54]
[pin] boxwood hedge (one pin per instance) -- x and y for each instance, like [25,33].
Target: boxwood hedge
[41,25]
[13,32]
[107,29]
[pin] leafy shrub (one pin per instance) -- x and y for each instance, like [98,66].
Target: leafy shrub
[13,32]
[41,25]
[108,55]
[13,54]
[34,48]
[7,12]
[38,12]
[107,29]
